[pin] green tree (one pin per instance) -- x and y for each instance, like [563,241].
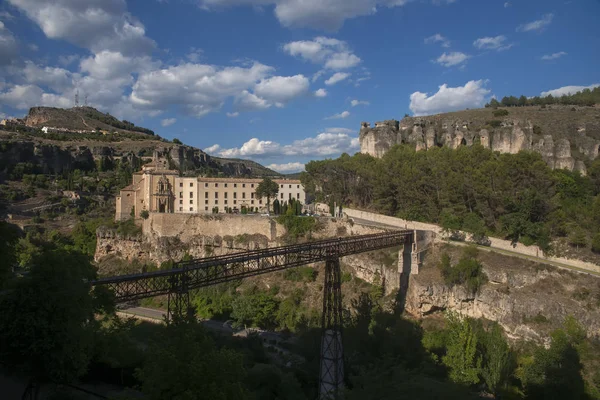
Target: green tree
[497,360]
[10,237]
[144,214]
[522,101]
[596,243]
[185,364]
[267,188]
[48,320]
[577,237]
[462,357]
[177,141]
[494,103]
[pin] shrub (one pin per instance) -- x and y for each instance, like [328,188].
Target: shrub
[596,243]
[537,130]
[500,113]
[177,141]
[300,274]
[468,271]
[144,214]
[495,123]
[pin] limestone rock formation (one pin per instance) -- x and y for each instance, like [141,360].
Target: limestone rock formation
[561,142]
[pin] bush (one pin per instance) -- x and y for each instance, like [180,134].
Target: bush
[596,243]
[500,113]
[494,123]
[300,274]
[177,141]
[468,271]
[144,214]
[297,226]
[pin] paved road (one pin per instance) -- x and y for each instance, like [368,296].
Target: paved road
[159,315]
[486,248]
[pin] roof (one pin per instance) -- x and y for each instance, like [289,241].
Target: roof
[248,180]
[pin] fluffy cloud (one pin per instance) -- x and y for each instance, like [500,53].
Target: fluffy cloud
[108,65]
[568,90]
[331,53]
[355,103]
[233,114]
[452,59]
[320,92]
[327,15]
[537,25]
[287,168]
[93,24]
[168,121]
[23,97]
[437,38]
[57,79]
[471,95]
[198,88]
[553,56]
[337,77]
[282,89]
[247,101]
[331,142]
[343,114]
[492,43]
[8,46]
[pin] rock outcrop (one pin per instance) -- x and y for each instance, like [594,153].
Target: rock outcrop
[565,145]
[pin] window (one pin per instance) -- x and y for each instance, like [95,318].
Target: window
[225,202]
[252,185]
[205,208]
[225,194]
[297,186]
[282,195]
[235,202]
[216,185]
[252,195]
[243,185]
[260,202]
[281,186]
[206,195]
[235,185]
[216,201]
[180,185]
[191,208]
[225,185]
[180,194]
[180,201]
[244,195]
[290,186]
[191,184]
[235,195]
[191,195]
[180,208]
[205,201]
[191,201]
[206,184]
[298,195]
[216,195]
[251,201]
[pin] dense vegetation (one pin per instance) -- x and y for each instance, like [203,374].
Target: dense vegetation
[516,196]
[587,97]
[112,121]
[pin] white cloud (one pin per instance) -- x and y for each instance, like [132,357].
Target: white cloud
[8,46]
[320,92]
[437,38]
[93,24]
[327,15]
[332,53]
[282,89]
[452,59]
[57,79]
[471,95]
[24,97]
[507,4]
[194,54]
[233,114]
[337,77]
[355,103]
[553,56]
[287,168]
[343,114]
[168,121]
[333,141]
[537,25]
[108,65]
[492,43]
[568,90]
[33,47]
[199,89]
[247,101]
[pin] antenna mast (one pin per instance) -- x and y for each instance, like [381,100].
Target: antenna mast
[85,101]
[77,98]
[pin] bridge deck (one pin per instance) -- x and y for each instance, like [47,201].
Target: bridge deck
[219,269]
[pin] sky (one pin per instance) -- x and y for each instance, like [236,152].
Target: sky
[283,82]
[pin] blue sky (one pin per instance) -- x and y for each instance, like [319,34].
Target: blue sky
[283,82]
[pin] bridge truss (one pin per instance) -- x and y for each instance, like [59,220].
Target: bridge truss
[187,275]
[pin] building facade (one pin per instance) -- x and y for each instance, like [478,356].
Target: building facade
[158,189]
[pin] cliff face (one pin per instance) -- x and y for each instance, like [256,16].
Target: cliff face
[563,137]
[50,159]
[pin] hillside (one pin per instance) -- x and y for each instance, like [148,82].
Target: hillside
[566,136]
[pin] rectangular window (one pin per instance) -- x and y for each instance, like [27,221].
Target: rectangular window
[206,185]
[251,201]
[225,194]
[191,195]
[216,195]
[282,195]
[180,194]
[298,195]
[180,208]
[252,185]
[205,201]
[216,201]
[216,185]
[290,186]
[235,185]
[225,202]
[180,201]
[205,208]
[244,195]
[289,195]
[260,202]
[180,185]
[235,195]
[235,202]
[206,195]
[191,208]
[191,201]
[191,184]
[243,185]
[281,186]
[252,195]
[225,185]
[297,186]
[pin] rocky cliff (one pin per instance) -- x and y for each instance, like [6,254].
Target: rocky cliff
[566,137]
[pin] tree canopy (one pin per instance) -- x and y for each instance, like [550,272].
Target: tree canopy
[267,188]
